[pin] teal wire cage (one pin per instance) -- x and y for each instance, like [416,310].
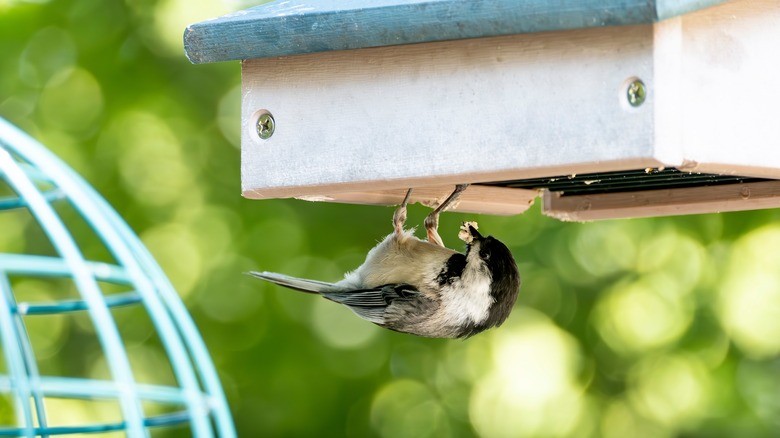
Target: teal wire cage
[95,289]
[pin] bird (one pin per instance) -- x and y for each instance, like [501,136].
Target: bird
[421,287]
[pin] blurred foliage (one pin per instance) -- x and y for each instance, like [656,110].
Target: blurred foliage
[644,328]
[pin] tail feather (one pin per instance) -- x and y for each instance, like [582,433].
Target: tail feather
[299,284]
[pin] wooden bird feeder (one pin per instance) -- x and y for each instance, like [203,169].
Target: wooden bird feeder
[604,108]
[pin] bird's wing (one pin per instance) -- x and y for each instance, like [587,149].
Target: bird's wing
[370,304]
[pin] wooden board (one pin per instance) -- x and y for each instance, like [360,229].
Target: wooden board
[308,26]
[735,197]
[475,199]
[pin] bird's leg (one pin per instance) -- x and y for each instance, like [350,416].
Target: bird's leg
[432,220]
[399,217]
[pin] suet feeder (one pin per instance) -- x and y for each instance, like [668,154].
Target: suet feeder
[605,109]
[38,188]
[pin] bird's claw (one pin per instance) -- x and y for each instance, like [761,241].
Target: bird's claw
[432,220]
[399,217]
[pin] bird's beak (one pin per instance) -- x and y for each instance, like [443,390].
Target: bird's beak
[475,233]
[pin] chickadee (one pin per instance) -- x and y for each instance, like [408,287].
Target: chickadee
[421,287]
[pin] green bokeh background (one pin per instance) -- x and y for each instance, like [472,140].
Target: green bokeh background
[645,328]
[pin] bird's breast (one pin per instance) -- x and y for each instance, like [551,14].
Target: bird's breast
[467,300]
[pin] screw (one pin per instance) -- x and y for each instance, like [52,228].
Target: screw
[636,93]
[265,126]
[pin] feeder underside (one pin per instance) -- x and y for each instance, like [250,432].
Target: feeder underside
[625,181]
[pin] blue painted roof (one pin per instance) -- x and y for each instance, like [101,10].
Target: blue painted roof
[295,27]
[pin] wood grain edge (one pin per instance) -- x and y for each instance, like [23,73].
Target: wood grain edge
[668,202]
[500,201]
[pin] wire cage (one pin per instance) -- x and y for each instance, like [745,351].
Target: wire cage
[94,290]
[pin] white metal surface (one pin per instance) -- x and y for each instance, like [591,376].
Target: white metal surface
[460,111]
[729,87]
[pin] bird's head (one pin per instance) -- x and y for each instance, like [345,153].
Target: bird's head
[496,258]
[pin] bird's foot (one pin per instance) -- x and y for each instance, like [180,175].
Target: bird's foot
[432,220]
[399,217]
[432,227]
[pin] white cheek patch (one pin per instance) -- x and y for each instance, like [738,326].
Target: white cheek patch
[469,305]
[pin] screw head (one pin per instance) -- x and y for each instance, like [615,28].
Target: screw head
[636,93]
[265,126]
